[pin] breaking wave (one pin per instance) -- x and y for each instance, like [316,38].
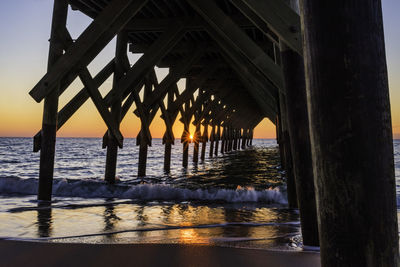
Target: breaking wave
[91,188]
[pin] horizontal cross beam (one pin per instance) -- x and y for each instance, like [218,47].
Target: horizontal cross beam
[279,17]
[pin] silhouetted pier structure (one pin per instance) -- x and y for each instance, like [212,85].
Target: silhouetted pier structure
[316,69]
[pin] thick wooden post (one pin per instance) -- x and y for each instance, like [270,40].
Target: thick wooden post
[50,109]
[185,140]
[297,116]
[212,139]
[227,139]
[167,156]
[168,140]
[239,138]
[251,137]
[235,141]
[244,138]
[230,138]
[204,140]
[112,144]
[285,141]
[351,132]
[217,138]
[143,140]
[185,154]
[248,137]
[143,146]
[279,140]
[196,141]
[223,140]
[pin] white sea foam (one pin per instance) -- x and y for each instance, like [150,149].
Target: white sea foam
[97,189]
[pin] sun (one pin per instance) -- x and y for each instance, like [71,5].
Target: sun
[191,137]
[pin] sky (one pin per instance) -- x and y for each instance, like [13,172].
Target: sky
[25,30]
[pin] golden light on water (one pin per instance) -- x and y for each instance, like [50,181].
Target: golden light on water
[189,236]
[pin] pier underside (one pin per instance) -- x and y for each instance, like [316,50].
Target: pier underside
[316,70]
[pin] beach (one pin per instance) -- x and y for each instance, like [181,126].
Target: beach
[23,253]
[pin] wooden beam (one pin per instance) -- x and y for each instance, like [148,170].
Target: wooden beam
[98,101]
[157,50]
[196,83]
[266,100]
[49,122]
[116,109]
[279,17]
[263,92]
[191,24]
[98,34]
[76,102]
[351,132]
[173,77]
[219,24]
[299,132]
[125,108]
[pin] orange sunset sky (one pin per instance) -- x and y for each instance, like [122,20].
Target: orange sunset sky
[25,30]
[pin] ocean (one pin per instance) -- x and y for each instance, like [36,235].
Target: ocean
[237,199]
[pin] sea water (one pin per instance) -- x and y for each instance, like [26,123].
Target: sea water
[235,199]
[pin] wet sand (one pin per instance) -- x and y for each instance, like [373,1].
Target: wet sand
[21,253]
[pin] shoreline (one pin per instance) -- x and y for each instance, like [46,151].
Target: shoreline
[26,253]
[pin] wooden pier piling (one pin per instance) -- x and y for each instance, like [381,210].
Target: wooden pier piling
[351,133]
[287,154]
[111,143]
[167,157]
[217,139]
[297,117]
[204,140]
[185,141]
[196,142]
[223,140]
[143,148]
[244,138]
[212,139]
[50,109]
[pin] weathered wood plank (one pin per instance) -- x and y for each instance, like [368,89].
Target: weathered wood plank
[98,101]
[298,126]
[76,102]
[191,24]
[280,18]
[148,60]
[173,77]
[49,123]
[224,27]
[98,34]
[351,144]
[116,109]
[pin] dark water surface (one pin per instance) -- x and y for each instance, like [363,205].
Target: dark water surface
[236,199]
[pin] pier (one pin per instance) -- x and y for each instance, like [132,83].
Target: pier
[317,70]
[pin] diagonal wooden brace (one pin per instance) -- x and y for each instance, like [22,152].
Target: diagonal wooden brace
[76,102]
[125,108]
[173,77]
[143,115]
[279,17]
[147,61]
[98,101]
[226,28]
[89,44]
